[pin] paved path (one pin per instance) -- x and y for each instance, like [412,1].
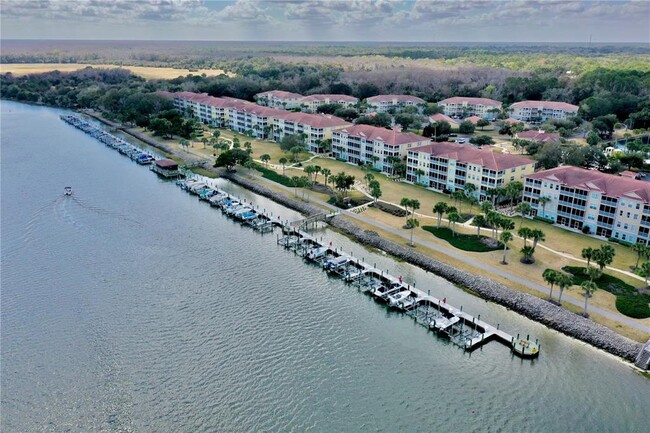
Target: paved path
[489,269]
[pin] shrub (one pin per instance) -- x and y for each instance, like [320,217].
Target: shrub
[269,174]
[462,241]
[544,220]
[634,305]
[388,208]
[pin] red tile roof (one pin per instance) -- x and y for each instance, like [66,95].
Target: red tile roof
[469,154]
[313,120]
[280,94]
[388,136]
[538,136]
[512,121]
[550,105]
[473,119]
[323,97]
[471,101]
[593,180]
[439,117]
[397,98]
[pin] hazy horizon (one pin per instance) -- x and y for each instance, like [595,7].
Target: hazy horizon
[354,21]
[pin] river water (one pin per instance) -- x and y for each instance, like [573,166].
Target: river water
[131,306]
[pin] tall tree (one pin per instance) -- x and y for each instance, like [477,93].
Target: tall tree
[480,222]
[413,223]
[454,217]
[440,208]
[505,237]
[588,254]
[563,282]
[550,277]
[283,161]
[537,236]
[588,287]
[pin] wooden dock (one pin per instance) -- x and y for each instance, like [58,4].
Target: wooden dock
[468,332]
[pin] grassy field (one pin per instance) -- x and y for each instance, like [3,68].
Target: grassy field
[149,73]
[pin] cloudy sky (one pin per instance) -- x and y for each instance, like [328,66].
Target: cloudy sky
[329,20]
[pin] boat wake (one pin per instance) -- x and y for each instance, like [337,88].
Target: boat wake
[66,208]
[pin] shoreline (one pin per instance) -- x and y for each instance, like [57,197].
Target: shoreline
[529,306]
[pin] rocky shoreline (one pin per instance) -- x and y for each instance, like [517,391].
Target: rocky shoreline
[534,308]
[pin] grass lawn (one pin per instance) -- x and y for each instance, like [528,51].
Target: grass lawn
[628,300]
[570,242]
[461,241]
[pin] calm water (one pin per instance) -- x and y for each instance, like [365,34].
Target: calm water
[133,307]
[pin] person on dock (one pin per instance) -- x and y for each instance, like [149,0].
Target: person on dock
[444,300]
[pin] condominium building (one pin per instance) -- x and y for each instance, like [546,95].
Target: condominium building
[279,99]
[602,204]
[450,166]
[315,128]
[384,103]
[541,111]
[361,144]
[460,106]
[258,121]
[312,102]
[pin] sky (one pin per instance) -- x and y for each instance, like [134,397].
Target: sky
[329,20]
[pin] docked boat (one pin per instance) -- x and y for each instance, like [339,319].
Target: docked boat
[385,290]
[394,299]
[444,324]
[335,264]
[317,253]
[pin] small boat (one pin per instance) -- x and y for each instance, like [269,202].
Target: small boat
[317,253]
[67,190]
[396,298]
[444,324]
[333,265]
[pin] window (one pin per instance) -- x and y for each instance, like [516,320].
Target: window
[620,213]
[512,178]
[623,237]
[628,215]
[513,170]
[594,195]
[638,206]
[636,216]
[625,226]
[618,225]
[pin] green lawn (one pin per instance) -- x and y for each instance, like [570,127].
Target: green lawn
[461,241]
[628,300]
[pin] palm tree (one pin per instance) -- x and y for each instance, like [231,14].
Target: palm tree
[449,211]
[505,224]
[589,287]
[563,281]
[216,134]
[415,205]
[486,207]
[593,273]
[295,182]
[527,252]
[493,193]
[523,209]
[537,236]
[458,197]
[513,191]
[419,173]
[454,217]
[543,201]
[204,140]
[309,170]
[645,271]
[368,177]
[641,251]
[479,222]
[327,173]
[469,189]
[493,219]
[283,161]
[317,169]
[405,203]
[413,223]
[505,237]
[265,158]
[550,277]
[440,208]
[604,256]
[525,233]
[588,254]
